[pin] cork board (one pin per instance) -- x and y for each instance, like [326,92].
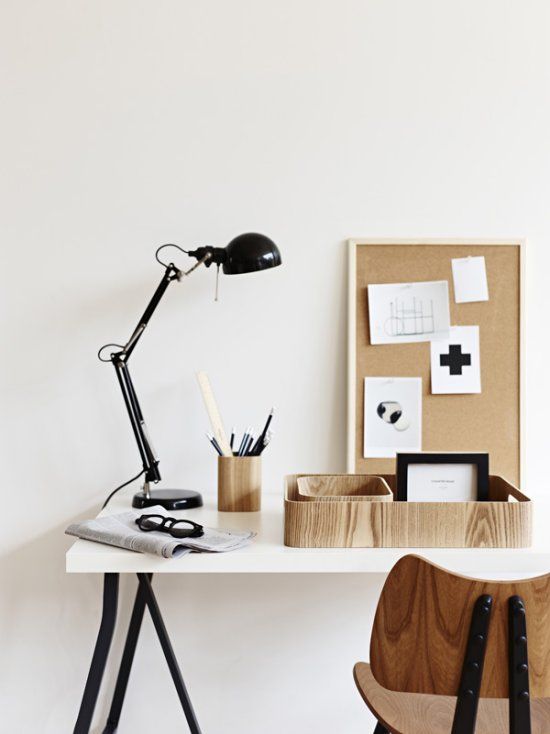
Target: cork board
[490,421]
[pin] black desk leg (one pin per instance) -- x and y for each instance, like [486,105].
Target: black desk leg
[380,729]
[99,658]
[134,629]
[168,651]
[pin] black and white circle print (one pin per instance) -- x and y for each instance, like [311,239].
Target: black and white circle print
[391,412]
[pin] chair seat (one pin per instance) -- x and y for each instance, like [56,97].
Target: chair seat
[418,713]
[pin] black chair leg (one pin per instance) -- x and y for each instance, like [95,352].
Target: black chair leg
[381,729]
[168,651]
[99,658]
[134,629]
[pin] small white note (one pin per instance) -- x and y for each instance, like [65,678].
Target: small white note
[470,279]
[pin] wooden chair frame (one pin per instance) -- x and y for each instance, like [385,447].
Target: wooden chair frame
[434,635]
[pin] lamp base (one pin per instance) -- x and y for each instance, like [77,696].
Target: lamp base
[170,499]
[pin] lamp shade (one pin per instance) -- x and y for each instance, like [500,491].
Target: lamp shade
[249,252]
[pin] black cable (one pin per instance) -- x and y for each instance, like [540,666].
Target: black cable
[120,346]
[170,244]
[133,479]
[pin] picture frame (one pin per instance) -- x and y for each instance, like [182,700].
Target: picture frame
[446,485]
[396,260]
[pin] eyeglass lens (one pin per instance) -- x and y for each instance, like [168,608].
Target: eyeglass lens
[151,522]
[185,529]
[176,528]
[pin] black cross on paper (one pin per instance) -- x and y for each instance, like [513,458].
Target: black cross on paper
[455,360]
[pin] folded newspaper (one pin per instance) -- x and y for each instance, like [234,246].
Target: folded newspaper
[121,530]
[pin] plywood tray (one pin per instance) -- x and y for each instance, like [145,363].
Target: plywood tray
[338,487]
[502,522]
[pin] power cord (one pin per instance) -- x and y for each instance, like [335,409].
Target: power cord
[170,244]
[133,479]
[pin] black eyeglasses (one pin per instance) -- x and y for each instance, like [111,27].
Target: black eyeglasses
[175,528]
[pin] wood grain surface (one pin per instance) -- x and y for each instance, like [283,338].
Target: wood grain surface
[351,523]
[422,623]
[239,483]
[417,713]
[335,487]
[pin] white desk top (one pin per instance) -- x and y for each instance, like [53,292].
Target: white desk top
[267,554]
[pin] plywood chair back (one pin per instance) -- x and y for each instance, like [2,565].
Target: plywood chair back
[423,626]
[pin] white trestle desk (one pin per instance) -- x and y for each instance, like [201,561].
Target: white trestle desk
[266,554]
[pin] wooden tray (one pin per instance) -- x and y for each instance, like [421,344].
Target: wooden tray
[337,487]
[502,522]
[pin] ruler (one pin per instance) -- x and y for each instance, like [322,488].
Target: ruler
[214,413]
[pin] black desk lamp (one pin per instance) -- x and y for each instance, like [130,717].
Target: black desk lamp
[244,254]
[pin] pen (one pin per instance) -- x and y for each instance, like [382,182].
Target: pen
[214,443]
[246,443]
[259,443]
[232,439]
[249,443]
[243,442]
[266,441]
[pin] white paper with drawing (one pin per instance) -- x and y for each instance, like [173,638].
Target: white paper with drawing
[408,312]
[393,416]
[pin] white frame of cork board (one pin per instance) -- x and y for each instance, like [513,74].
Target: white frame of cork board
[354,244]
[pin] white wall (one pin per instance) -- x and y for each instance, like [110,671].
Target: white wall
[126,124]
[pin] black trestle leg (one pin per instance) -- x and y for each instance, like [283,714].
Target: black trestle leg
[381,729]
[99,658]
[134,629]
[168,651]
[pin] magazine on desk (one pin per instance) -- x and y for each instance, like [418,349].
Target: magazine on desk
[121,531]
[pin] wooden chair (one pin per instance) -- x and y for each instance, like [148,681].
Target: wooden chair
[448,654]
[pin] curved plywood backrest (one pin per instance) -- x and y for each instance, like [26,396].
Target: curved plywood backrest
[422,623]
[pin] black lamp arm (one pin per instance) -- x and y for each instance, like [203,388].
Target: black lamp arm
[210,255]
[120,359]
[148,458]
[171,273]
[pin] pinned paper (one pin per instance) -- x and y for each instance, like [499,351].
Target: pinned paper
[455,362]
[408,312]
[393,416]
[470,279]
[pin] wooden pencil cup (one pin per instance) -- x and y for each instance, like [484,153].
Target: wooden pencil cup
[239,483]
